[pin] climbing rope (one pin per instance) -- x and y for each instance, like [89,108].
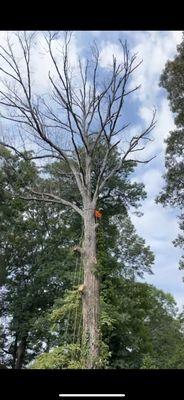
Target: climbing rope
[78,305]
[77,278]
[75,314]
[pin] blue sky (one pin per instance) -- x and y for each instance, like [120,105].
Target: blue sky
[158,226]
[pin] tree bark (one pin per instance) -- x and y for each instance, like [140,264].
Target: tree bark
[91,293]
[21,353]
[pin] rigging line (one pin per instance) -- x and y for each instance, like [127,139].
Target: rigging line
[75,323]
[70,310]
[79,332]
[79,276]
[67,325]
[77,308]
[75,281]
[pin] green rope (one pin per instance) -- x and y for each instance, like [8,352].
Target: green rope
[79,332]
[77,308]
[70,311]
[75,282]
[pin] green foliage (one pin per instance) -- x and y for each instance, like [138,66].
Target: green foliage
[40,276]
[33,273]
[71,300]
[70,356]
[172,79]
[144,324]
[148,362]
[177,359]
[133,255]
[62,357]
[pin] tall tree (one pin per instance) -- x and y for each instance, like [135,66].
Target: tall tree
[172,79]
[60,124]
[138,322]
[117,302]
[36,271]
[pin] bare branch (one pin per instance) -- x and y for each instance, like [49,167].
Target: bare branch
[43,196]
[25,156]
[51,198]
[133,143]
[85,116]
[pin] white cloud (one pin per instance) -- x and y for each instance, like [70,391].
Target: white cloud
[108,51]
[154,48]
[153,181]
[41,62]
[167,277]
[164,124]
[40,66]
[157,222]
[158,226]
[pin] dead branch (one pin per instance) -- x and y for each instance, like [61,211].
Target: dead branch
[85,116]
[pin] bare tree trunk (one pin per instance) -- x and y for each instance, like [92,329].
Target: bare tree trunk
[91,293]
[21,353]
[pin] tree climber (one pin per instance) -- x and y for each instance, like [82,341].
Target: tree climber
[98,213]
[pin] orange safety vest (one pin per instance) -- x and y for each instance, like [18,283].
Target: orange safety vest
[98,213]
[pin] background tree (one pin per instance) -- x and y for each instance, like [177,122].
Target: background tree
[34,260]
[140,330]
[72,117]
[172,79]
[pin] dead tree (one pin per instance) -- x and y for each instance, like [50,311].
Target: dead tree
[68,126]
